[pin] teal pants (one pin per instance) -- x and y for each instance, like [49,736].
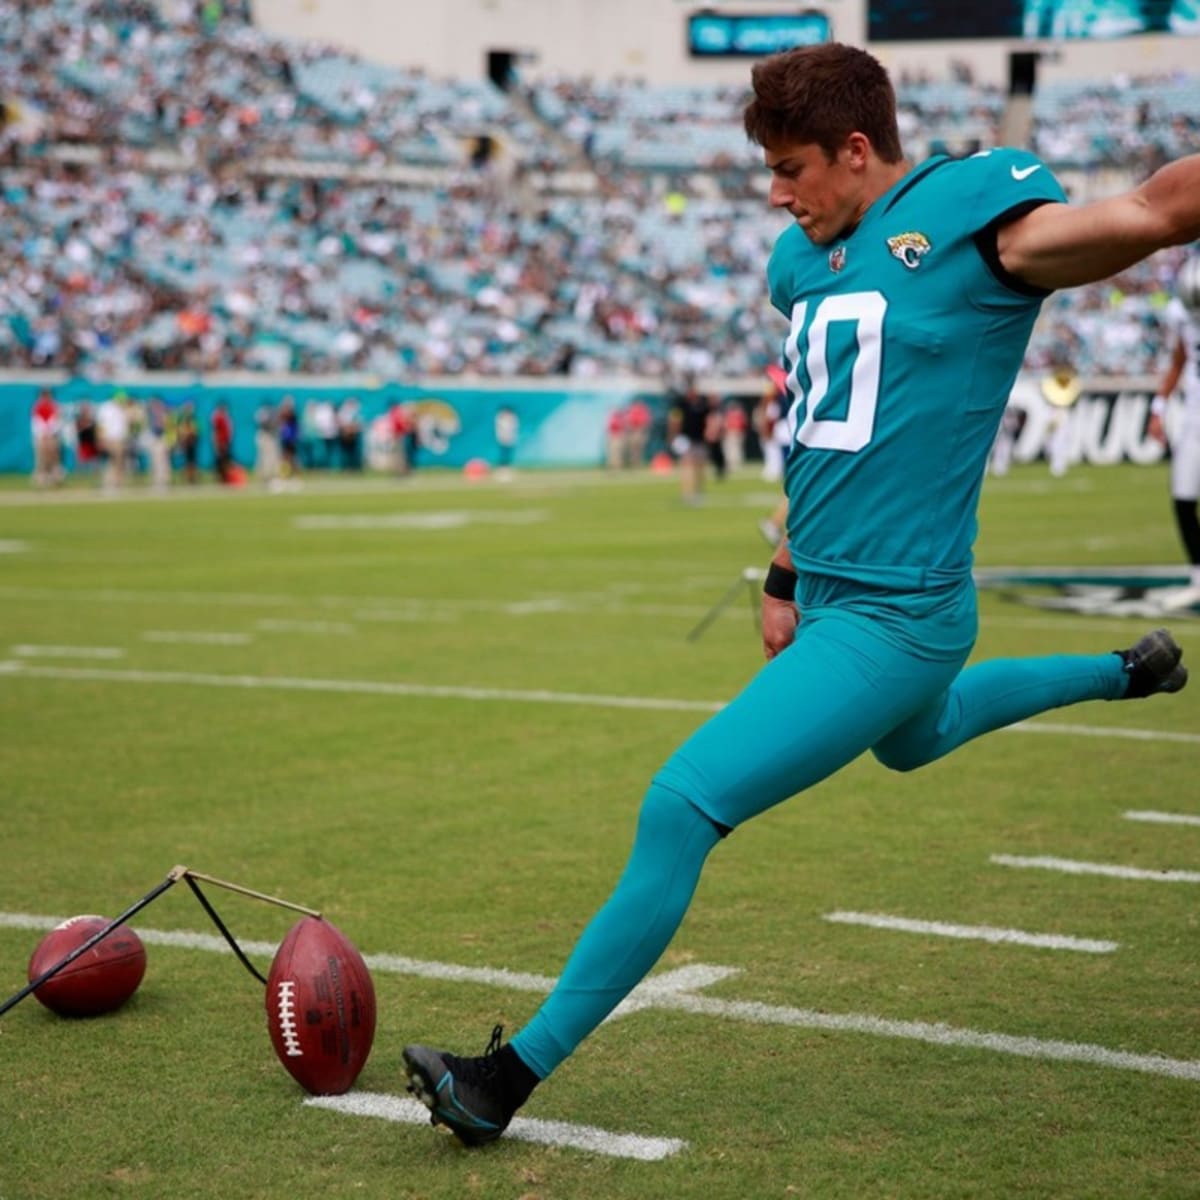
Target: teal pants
[857,677]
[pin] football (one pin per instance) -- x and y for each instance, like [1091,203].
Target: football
[99,980]
[320,1007]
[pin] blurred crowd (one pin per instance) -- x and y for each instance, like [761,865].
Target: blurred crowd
[160,210]
[117,437]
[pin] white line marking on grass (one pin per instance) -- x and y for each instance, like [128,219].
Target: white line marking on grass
[388,688]
[982,933]
[411,520]
[269,625]
[185,637]
[371,687]
[12,546]
[523,1129]
[683,980]
[25,651]
[1162,818]
[671,998]
[1105,731]
[937,1035]
[368,687]
[1071,867]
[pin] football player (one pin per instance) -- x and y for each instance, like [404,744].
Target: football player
[910,293]
[1183,324]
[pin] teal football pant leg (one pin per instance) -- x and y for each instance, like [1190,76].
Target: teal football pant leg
[809,711]
[628,935]
[993,694]
[841,686]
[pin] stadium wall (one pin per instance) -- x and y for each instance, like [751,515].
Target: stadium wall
[645,39]
[562,424]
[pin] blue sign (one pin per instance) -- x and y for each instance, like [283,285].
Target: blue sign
[753,35]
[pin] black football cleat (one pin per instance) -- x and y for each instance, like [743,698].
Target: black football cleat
[475,1098]
[1152,665]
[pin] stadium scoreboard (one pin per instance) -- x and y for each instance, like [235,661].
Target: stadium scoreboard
[712,34]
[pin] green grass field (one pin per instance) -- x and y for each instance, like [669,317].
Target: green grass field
[414,706]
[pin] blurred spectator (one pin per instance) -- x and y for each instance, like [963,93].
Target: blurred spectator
[222,438]
[714,436]
[155,435]
[401,426]
[507,430]
[289,438]
[87,445]
[187,440]
[688,426]
[638,421]
[46,430]
[266,443]
[350,433]
[617,439]
[112,435]
[734,438]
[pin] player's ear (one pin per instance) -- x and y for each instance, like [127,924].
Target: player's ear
[856,150]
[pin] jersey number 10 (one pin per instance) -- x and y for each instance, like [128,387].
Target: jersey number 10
[852,431]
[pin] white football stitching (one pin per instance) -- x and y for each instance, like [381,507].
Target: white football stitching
[287,1019]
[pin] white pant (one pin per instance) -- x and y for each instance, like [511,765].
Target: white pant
[1185,462]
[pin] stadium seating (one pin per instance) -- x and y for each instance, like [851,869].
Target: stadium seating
[189,192]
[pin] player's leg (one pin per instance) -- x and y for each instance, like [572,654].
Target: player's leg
[1185,488]
[1002,691]
[807,713]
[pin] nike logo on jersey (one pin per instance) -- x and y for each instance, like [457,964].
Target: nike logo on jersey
[1019,173]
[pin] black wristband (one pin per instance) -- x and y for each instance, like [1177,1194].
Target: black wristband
[780,583]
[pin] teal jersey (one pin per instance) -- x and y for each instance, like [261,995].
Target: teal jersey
[905,338]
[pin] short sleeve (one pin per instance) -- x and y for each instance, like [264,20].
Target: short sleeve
[1006,181]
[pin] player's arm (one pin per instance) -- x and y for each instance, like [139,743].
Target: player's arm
[780,616]
[1064,245]
[1158,406]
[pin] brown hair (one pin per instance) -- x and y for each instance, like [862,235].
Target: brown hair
[822,94]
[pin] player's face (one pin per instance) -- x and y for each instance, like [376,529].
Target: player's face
[824,197]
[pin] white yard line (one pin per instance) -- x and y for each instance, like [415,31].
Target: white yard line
[530,696]
[186,637]
[1104,731]
[981,933]
[523,1129]
[670,991]
[370,687]
[1070,866]
[365,687]
[1162,818]
[271,625]
[26,651]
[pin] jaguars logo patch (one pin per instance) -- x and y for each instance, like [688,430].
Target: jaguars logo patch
[909,248]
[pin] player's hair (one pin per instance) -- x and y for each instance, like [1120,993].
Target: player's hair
[820,95]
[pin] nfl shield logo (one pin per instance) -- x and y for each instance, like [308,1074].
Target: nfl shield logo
[837,258]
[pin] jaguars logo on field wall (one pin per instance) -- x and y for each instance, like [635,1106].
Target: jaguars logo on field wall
[909,248]
[1137,591]
[438,421]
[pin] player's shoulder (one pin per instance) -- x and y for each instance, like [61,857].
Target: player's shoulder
[1003,173]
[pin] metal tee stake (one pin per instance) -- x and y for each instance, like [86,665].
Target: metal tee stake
[750,577]
[174,876]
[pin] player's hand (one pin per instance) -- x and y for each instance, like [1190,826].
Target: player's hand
[1157,428]
[779,621]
